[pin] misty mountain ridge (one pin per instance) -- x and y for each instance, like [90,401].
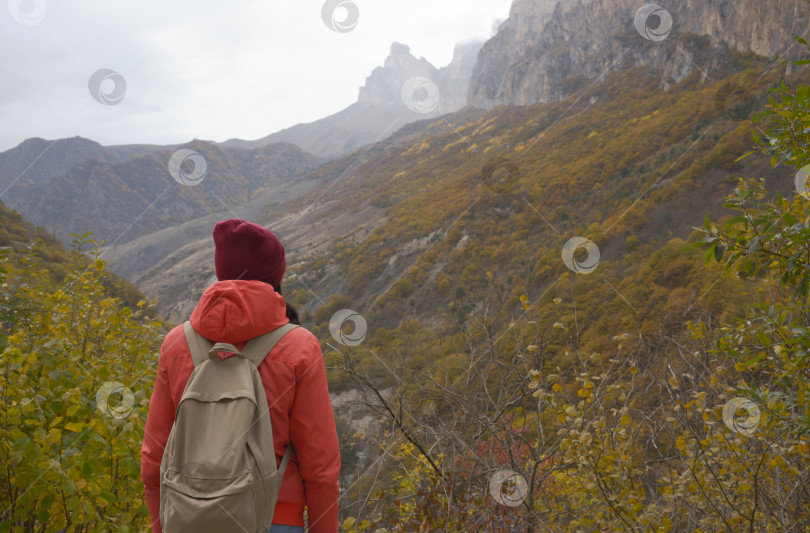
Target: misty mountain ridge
[544,52]
[76,185]
[34,162]
[119,197]
[385,103]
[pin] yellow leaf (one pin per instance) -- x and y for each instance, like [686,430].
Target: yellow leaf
[776,462]
[74,426]
[54,435]
[524,302]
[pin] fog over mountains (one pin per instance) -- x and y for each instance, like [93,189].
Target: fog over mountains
[76,185]
[381,104]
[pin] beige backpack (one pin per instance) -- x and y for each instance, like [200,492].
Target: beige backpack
[218,473]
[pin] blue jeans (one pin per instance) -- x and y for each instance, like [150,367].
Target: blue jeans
[278,528]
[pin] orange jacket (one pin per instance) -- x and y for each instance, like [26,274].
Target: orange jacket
[294,380]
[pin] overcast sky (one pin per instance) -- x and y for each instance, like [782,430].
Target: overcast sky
[205,69]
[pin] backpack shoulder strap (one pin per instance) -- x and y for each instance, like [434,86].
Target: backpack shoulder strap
[284,460]
[199,345]
[257,349]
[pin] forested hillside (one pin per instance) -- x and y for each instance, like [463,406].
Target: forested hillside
[498,196]
[30,251]
[534,309]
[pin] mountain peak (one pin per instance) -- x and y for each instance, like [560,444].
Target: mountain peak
[399,49]
[68,142]
[385,84]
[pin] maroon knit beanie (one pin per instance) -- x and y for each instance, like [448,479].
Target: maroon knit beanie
[243,250]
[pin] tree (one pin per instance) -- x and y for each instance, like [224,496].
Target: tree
[74,382]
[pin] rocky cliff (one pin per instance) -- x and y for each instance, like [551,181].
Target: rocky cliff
[545,44]
[386,84]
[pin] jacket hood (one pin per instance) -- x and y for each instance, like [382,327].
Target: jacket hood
[235,311]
